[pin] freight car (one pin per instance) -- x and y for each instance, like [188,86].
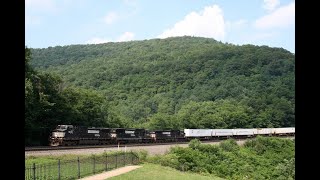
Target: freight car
[236,133]
[202,134]
[64,135]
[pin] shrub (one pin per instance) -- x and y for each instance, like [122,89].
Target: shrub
[142,154]
[194,143]
[260,158]
[170,160]
[230,145]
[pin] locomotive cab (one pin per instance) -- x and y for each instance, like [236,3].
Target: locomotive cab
[59,133]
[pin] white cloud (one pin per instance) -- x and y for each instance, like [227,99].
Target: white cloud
[270,4]
[34,10]
[32,20]
[240,22]
[208,23]
[127,36]
[281,17]
[97,41]
[236,24]
[129,2]
[111,17]
[40,5]
[261,36]
[132,6]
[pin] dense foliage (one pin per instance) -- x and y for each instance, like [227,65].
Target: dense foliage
[260,158]
[180,82]
[48,103]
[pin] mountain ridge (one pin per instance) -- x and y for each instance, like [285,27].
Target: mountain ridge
[153,83]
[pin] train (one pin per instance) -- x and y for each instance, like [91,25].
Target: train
[68,135]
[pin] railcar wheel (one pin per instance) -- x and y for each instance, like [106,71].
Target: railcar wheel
[54,144]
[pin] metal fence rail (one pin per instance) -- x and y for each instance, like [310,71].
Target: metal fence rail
[80,167]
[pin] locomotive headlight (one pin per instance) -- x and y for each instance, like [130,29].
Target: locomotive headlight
[58,134]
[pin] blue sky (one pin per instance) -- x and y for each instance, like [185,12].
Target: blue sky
[66,22]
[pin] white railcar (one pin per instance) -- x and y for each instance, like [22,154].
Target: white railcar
[222,132]
[283,131]
[264,131]
[255,131]
[293,130]
[197,132]
[243,132]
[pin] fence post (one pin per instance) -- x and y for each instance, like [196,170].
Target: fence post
[44,172]
[59,175]
[124,158]
[39,171]
[106,162]
[131,158]
[78,168]
[34,171]
[94,164]
[116,160]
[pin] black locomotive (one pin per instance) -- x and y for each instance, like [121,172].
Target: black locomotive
[75,135]
[64,135]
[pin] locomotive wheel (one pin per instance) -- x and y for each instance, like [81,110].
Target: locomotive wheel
[54,144]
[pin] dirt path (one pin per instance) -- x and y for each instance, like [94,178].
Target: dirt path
[112,173]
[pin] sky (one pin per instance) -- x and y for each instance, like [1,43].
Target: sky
[67,22]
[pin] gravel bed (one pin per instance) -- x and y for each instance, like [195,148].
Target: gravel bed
[152,150]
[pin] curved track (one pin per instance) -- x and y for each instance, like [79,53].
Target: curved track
[52,148]
[152,149]
[49,148]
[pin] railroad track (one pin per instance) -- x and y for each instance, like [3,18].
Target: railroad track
[51,148]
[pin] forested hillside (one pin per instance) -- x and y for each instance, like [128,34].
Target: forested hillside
[180,82]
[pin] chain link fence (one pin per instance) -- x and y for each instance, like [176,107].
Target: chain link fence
[80,167]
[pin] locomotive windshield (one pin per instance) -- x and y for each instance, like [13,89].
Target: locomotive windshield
[63,127]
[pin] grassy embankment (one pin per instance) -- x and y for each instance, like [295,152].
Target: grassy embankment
[154,172]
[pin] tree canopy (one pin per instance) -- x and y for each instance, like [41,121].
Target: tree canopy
[178,82]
